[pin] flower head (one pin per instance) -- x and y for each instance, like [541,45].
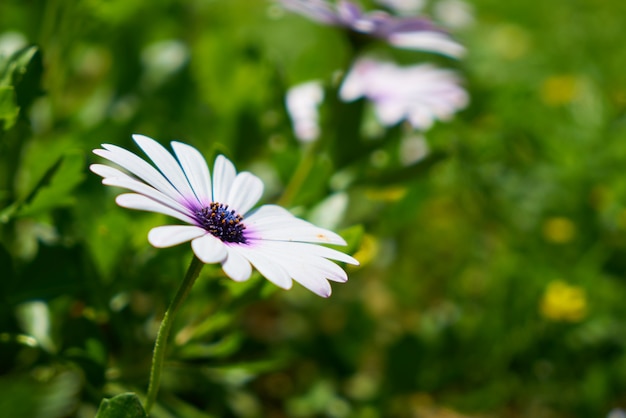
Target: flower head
[419,93]
[221,224]
[402,32]
[302,102]
[564,302]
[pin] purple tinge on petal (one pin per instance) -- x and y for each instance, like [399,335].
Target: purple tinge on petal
[196,170]
[398,31]
[318,10]
[387,25]
[168,165]
[349,13]
[270,238]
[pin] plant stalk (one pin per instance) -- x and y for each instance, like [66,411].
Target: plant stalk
[164,330]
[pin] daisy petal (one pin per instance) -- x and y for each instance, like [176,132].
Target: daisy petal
[427,41]
[170,235]
[138,167]
[270,269]
[209,249]
[236,266]
[295,248]
[167,165]
[126,182]
[105,171]
[223,177]
[267,211]
[306,233]
[317,10]
[245,191]
[319,268]
[141,202]
[310,271]
[330,270]
[308,278]
[197,172]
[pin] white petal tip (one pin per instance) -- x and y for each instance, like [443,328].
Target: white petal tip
[238,279]
[139,137]
[155,242]
[208,260]
[339,279]
[94,168]
[238,275]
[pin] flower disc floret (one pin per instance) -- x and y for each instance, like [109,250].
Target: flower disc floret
[222,223]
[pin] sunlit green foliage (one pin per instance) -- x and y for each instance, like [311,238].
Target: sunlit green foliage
[493,271]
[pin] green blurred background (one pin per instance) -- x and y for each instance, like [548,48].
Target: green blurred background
[493,272]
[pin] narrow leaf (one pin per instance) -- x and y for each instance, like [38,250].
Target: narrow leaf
[125,405]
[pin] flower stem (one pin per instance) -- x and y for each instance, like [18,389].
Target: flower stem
[164,330]
[302,172]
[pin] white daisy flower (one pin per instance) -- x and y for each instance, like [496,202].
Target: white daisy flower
[419,94]
[302,102]
[221,224]
[416,33]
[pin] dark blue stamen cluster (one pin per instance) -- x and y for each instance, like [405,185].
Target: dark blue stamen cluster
[225,224]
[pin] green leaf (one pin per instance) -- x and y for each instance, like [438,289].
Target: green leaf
[8,107]
[12,70]
[125,405]
[27,395]
[224,347]
[14,66]
[353,237]
[55,188]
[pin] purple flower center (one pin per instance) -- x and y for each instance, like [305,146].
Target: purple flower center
[222,223]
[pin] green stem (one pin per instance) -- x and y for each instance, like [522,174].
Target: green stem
[302,172]
[164,330]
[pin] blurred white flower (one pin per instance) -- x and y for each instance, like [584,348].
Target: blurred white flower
[451,13]
[163,59]
[616,413]
[403,7]
[303,101]
[403,32]
[11,42]
[222,226]
[420,94]
[413,148]
[454,13]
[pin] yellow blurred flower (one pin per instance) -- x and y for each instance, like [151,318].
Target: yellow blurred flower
[560,89]
[511,42]
[564,302]
[367,251]
[559,230]
[387,194]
